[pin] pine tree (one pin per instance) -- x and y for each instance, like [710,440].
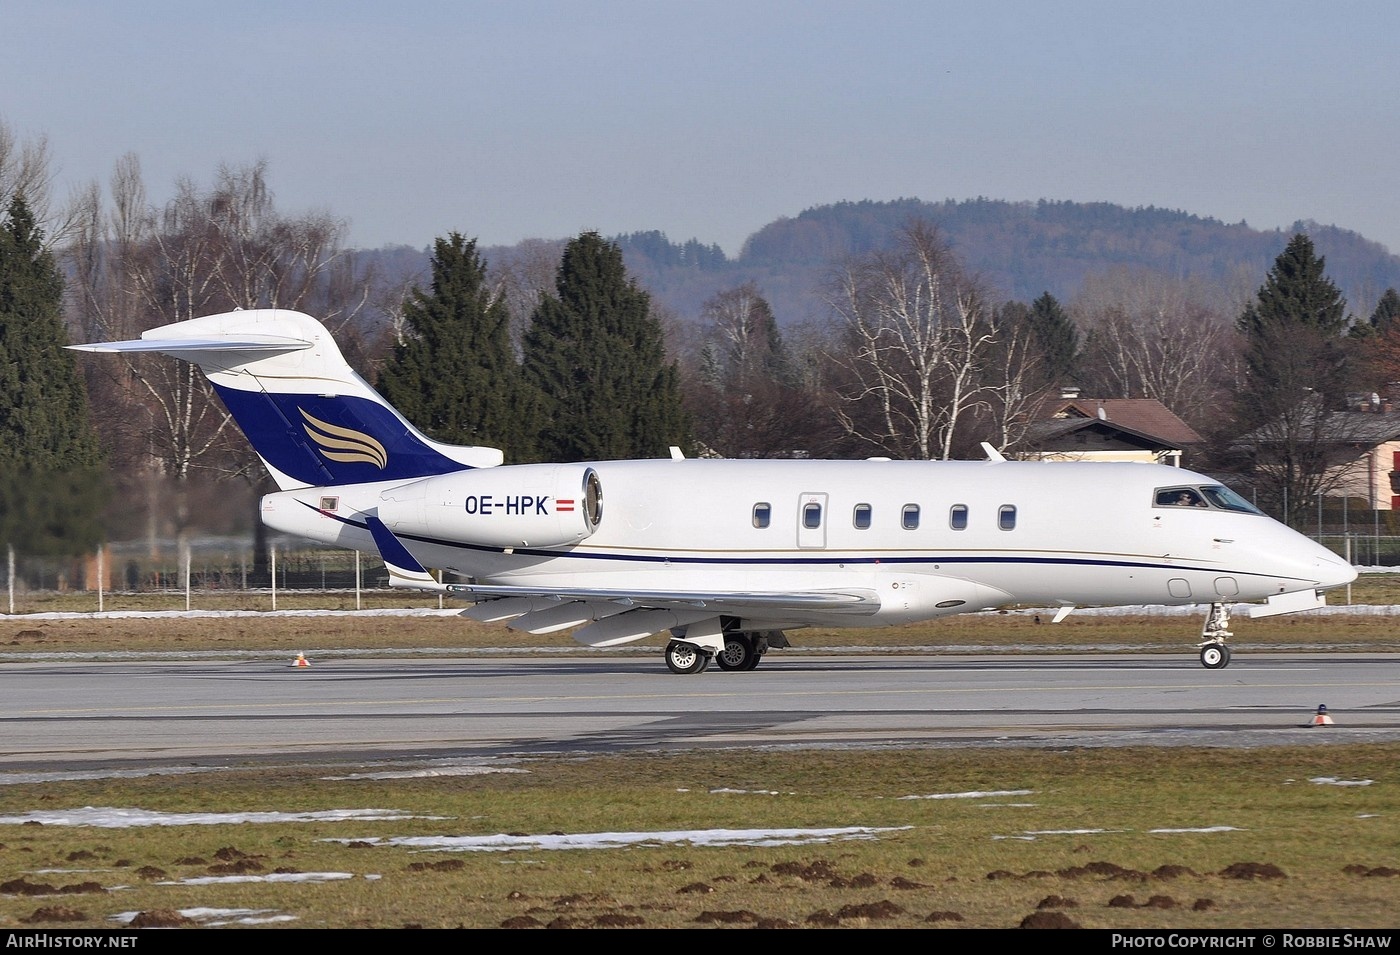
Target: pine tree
[1387,310]
[595,354]
[1056,336]
[51,481]
[1292,333]
[1297,374]
[1297,294]
[455,376]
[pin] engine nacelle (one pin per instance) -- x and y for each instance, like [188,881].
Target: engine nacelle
[527,505]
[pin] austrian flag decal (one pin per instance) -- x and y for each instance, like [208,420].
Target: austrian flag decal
[564,506]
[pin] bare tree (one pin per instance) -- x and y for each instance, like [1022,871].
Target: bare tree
[747,394]
[742,338]
[207,250]
[1013,380]
[1153,336]
[524,273]
[916,334]
[26,169]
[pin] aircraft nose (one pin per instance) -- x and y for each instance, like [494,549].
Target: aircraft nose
[1333,571]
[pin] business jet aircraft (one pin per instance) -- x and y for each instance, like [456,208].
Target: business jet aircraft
[727,555]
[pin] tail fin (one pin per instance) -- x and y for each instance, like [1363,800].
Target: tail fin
[308,415]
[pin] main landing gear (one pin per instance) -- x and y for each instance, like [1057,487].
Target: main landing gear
[686,657]
[1215,655]
[741,651]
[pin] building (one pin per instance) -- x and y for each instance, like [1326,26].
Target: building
[1073,428]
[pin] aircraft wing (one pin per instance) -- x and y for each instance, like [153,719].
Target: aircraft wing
[610,617]
[854,600]
[607,616]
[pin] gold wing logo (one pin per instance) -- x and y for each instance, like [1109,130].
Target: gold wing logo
[344,444]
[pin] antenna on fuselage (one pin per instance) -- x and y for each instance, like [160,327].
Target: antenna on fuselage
[992,453]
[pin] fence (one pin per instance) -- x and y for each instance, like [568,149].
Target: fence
[223,566]
[201,566]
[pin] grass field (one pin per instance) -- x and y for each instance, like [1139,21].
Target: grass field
[1148,838]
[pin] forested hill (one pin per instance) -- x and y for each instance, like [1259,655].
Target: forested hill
[1021,249]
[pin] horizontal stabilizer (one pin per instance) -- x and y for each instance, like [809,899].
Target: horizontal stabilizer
[257,343]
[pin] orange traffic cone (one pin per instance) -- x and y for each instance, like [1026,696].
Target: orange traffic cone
[300,661]
[1322,719]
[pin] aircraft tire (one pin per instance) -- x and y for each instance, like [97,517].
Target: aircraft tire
[1215,656]
[738,653]
[685,658]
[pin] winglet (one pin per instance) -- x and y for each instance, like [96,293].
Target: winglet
[992,453]
[404,569]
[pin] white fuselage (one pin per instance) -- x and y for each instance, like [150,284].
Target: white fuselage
[929,538]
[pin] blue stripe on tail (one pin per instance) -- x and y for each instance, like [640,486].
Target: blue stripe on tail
[319,439]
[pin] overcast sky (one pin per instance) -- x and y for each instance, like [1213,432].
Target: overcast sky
[545,118]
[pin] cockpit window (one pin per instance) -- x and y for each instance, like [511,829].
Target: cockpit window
[1210,495]
[1224,498]
[1179,497]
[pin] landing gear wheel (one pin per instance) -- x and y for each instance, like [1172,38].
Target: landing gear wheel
[738,653]
[1215,656]
[686,657]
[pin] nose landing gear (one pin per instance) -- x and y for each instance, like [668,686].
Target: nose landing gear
[1215,655]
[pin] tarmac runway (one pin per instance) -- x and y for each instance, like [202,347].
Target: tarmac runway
[72,716]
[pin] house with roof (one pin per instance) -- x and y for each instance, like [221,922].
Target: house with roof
[1358,449]
[1069,427]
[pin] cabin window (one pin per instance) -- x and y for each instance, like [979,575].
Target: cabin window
[330,503]
[762,514]
[811,516]
[909,517]
[957,517]
[1006,517]
[861,517]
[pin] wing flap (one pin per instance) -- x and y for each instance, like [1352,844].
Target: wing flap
[854,601]
[636,625]
[574,613]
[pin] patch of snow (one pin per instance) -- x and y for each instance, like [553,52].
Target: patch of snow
[974,795]
[15,779]
[108,818]
[225,916]
[621,840]
[428,773]
[1334,781]
[273,877]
